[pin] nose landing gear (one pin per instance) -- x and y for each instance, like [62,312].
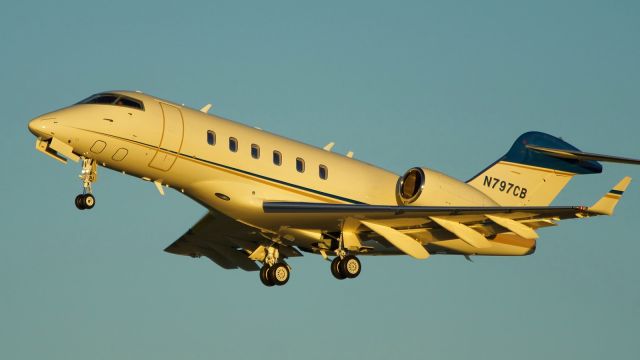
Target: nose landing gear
[88,175]
[85,201]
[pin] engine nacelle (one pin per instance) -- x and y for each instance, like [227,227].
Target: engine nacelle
[426,187]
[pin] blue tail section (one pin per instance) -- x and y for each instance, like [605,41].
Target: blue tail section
[519,153]
[527,176]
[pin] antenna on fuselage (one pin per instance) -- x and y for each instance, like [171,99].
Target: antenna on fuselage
[329,146]
[205,109]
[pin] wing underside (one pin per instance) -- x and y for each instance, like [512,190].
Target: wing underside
[225,241]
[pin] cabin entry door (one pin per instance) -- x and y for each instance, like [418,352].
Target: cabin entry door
[172,137]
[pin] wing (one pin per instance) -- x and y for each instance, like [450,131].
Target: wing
[224,241]
[404,227]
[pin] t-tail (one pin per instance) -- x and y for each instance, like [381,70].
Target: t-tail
[536,168]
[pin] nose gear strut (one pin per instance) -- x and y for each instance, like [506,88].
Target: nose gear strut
[88,175]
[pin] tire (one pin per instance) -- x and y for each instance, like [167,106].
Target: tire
[279,274]
[350,266]
[264,276]
[335,269]
[88,201]
[79,202]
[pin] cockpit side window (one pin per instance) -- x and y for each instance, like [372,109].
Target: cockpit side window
[100,99]
[113,99]
[124,101]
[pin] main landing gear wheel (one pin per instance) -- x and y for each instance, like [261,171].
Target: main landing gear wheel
[85,201]
[264,276]
[278,274]
[335,269]
[350,266]
[346,268]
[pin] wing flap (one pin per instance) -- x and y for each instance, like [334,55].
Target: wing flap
[238,258]
[404,243]
[516,227]
[463,232]
[218,258]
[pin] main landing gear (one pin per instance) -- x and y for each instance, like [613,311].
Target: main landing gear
[345,267]
[88,175]
[274,272]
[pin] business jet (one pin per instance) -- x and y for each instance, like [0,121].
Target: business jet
[270,198]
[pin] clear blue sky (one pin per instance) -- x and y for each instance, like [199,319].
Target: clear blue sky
[444,84]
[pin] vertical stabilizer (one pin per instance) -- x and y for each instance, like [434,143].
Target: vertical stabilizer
[526,177]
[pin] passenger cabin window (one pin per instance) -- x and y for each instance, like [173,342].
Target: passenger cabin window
[277,157]
[300,165]
[211,137]
[233,144]
[324,172]
[255,151]
[113,99]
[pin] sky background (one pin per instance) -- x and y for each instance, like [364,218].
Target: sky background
[443,84]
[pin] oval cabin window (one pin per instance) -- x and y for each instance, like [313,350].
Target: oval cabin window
[277,157]
[300,165]
[233,144]
[323,172]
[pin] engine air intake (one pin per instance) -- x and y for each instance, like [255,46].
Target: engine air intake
[410,185]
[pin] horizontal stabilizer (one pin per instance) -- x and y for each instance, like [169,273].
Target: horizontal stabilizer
[516,227]
[403,242]
[464,232]
[609,201]
[581,155]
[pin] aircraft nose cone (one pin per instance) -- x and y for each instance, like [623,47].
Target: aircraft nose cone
[39,127]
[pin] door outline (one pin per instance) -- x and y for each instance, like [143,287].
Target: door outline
[166,154]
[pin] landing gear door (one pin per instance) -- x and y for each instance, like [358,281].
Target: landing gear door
[171,142]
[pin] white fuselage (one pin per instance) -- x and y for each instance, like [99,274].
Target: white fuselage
[230,168]
[168,143]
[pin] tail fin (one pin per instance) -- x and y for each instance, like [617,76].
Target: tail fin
[529,177]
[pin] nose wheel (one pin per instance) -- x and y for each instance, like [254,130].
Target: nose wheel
[88,175]
[85,201]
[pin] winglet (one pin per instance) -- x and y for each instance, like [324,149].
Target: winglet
[608,202]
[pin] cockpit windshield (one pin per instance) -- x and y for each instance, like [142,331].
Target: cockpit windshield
[113,99]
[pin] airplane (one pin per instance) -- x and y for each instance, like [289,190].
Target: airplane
[270,198]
